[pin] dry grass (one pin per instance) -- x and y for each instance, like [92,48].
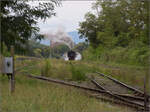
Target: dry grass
[36,96]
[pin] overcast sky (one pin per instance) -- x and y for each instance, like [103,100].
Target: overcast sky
[67,17]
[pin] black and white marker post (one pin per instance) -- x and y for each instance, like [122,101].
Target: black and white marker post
[9,69]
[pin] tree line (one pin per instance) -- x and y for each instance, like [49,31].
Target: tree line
[119,27]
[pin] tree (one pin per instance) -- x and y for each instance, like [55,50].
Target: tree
[19,20]
[89,28]
[37,53]
[59,50]
[118,23]
[80,47]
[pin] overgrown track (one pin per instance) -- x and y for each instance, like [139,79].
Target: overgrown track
[123,84]
[141,99]
[116,98]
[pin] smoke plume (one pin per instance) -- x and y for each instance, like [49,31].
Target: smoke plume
[59,37]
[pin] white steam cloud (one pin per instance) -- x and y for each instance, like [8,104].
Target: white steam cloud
[59,37]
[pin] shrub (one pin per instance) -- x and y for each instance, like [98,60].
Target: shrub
[5,52]
[134,54]
[77,73]
[46,68]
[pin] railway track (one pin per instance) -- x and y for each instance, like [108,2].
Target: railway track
[103,93]
[140,93]
[121,95]
[143,97]
[109,96]
[140,96]
[27,58]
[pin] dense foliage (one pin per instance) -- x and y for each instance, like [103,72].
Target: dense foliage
[58,51]
[80,47]
[36,49]
[118,31]
[19,21]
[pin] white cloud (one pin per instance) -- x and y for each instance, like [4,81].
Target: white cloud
[67,17]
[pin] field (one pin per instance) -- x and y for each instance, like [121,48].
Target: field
[37,96]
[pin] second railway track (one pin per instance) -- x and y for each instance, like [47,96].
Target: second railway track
[141,93]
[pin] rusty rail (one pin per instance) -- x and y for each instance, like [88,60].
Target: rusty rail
[121,83]
[120,95]
[129,103]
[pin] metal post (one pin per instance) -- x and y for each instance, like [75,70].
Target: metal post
[12,79]
[146,98]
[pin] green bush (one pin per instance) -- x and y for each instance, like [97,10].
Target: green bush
[131,55]
[5,52]
[46,68]
[77,73]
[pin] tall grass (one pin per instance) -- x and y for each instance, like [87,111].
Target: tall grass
[59,69]
[36,96]
[78,73]
[46,68]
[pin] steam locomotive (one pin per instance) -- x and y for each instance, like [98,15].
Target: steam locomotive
[72,55]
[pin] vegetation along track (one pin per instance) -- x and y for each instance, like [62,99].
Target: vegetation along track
[109,96]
